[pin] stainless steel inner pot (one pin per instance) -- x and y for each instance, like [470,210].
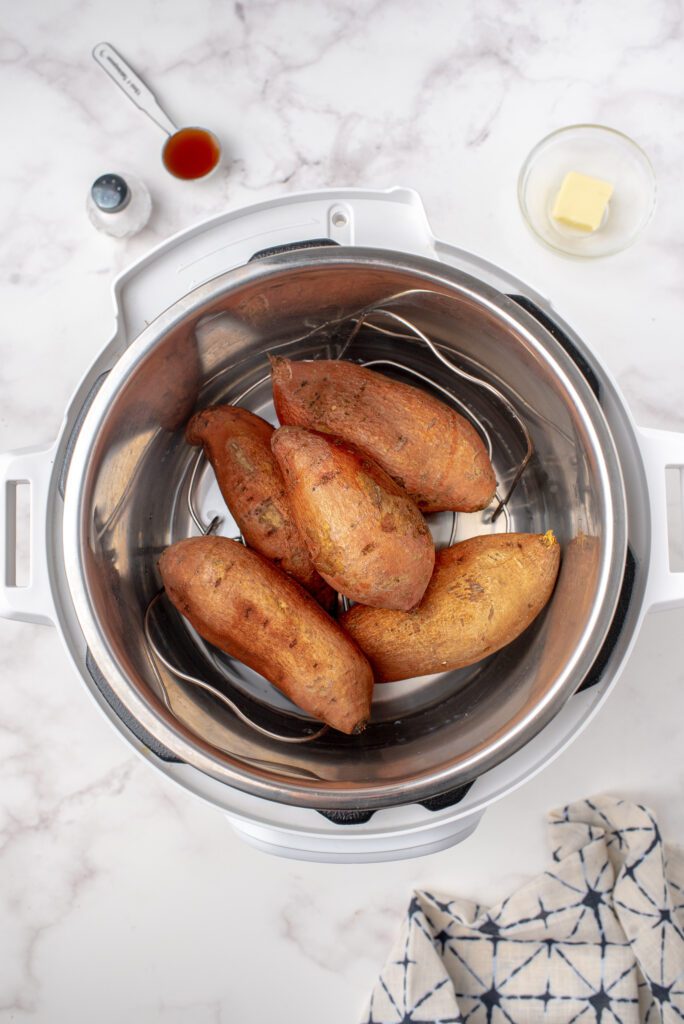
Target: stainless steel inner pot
[126,500]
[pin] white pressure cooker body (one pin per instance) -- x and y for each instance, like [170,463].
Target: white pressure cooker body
[196,321]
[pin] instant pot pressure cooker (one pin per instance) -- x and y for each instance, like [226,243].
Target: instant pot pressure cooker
[197,319]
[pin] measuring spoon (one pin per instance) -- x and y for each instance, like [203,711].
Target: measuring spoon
[188,152]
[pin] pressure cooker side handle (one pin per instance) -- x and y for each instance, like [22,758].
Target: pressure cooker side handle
[32,602]
[662,450]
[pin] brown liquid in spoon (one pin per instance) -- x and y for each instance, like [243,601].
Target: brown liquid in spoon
[191,153]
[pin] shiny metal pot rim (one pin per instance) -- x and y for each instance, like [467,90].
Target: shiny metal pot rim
[260,781]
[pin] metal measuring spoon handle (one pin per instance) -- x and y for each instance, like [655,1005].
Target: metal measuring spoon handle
[130,83]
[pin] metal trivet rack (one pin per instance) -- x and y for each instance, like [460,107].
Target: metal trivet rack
[385,321]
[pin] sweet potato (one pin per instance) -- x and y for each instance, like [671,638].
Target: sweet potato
[364,534]
[483,594]
[238,446]
[240,602]
[431,451]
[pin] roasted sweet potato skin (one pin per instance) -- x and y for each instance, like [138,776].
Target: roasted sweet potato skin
[484,592]
[240,602]
[238,446]
[364,534]
[431,451]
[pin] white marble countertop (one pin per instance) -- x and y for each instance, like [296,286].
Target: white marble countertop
[122,897]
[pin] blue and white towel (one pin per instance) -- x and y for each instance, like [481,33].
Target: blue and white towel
[598,938]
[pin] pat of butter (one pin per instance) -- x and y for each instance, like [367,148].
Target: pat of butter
[581,201]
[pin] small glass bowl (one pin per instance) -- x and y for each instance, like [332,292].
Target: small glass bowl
[601,153]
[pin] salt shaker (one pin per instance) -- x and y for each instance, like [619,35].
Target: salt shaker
[120,206]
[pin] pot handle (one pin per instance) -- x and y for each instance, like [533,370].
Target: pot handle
[661,450]
[33,602]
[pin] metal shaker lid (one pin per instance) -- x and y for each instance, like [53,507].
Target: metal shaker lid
[110,193]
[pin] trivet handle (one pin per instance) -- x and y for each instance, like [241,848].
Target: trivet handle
[33,602]
[661,450]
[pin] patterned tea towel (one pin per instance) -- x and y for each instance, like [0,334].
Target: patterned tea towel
[598,938]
